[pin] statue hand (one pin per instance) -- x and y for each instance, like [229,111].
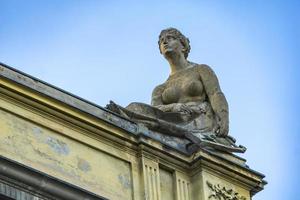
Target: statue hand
[165,108]
[162,108]
[181,107]
[221,129]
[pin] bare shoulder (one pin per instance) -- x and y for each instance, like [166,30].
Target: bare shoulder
[204,69]
[159,88]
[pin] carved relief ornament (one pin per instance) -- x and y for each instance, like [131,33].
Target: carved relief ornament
[221,193]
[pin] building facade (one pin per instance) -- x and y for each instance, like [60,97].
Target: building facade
[55,145]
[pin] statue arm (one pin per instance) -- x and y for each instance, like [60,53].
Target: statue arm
[156,95]
[216,98]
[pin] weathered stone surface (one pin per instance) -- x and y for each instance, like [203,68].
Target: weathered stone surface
[189,105]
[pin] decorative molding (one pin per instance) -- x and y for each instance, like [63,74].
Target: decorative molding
[182,186]
[222,193]
[151,180]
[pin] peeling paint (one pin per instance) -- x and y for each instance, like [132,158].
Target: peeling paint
[83,165]
[37,131]
[58,146]
[46,156]
[125,181]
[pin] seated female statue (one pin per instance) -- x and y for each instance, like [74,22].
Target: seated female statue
[191,89]
[189,103]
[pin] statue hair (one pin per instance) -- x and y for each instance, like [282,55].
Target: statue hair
[177,34]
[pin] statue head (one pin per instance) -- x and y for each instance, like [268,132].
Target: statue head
[178,35]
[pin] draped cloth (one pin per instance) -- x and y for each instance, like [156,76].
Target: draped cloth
[196,127]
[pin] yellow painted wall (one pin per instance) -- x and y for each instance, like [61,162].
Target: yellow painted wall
[64,158]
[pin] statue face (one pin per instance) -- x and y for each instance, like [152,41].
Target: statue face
[170,45]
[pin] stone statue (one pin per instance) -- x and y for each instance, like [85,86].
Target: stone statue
[190,104]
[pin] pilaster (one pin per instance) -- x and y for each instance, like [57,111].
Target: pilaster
[183,186]
[151,179]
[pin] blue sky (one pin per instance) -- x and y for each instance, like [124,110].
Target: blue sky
[102,50]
